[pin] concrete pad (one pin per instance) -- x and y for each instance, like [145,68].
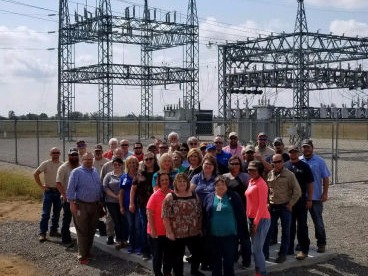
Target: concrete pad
[313,258]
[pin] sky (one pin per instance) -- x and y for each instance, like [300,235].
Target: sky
[28,50]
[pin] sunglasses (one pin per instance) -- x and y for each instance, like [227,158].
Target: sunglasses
[124,145]
[193,144]
[55,152]
[277,161]
[74,154]
[183,150]
[148,159]
[218,143]
[137,147]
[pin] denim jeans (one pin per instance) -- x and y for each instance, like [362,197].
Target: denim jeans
[51,199]
[224,255]
[143,238]
[319,227]
[114,210]
[279,211]
[134,230]
[67,219]
[299,227]
[258,241]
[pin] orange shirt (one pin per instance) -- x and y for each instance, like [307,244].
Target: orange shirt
[257,196]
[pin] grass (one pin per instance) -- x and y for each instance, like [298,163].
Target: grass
[17,185]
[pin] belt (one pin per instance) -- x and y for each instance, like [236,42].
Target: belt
[279,205]
[51,189]
[90,203]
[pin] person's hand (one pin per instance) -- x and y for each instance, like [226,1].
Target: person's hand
[132,207]
[309,204]
[289,207]
[153,234]
[258,156]
[122,210]
[170,236]
[324,197]
[73,207]
[253,230]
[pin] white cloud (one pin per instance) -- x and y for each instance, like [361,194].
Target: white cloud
[349,28]
[346,4]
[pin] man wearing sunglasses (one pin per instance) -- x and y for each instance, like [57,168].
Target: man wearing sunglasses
[62,178]
[51,195]
[284,192]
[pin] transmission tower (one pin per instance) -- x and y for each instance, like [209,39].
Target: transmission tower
[301,61]
[149,31]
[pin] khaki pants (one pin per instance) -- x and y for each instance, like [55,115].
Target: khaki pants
[85,222]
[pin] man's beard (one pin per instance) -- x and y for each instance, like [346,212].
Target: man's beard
[74,162]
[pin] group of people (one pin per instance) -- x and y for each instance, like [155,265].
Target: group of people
[220,202]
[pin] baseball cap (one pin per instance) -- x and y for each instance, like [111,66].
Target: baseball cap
[249,148]
[293,148]
[98,147]
[307,142]
[81,144]
[210,147]
[278,140]
[202,145]
[262,134]
[233,134]
[73,150]
[252,165]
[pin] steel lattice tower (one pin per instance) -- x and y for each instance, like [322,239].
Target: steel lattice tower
[191,100]
[301,61]
[105,88]
[65,105]
[150,33]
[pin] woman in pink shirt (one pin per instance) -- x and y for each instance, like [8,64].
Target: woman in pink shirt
[257,212]
[155,227]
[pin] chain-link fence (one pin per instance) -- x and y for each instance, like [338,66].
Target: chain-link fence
[343,144]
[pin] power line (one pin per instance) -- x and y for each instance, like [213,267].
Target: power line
[27,5]
[28,15]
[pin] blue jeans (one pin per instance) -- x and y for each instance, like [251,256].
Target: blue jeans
[65,226]
[279,211]
[143,238]
[319,227]
[258,241]
[51,199]
[134,230]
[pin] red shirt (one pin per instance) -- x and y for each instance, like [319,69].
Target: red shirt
[257,196]
[107,154]
[155,206]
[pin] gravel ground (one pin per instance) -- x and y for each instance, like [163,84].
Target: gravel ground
[346,219]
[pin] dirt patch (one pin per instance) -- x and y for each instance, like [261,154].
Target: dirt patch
[20,210]
[14,266]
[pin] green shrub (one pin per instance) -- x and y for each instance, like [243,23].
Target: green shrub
[16,184]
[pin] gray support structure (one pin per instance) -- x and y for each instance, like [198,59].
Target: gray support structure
[191,100]
[105,88]
[148,31]
[65,105]
[301,61]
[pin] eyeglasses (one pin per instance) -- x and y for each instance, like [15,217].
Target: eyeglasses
[124,145]
[218,142]
[233,138]
[148,159]
[277,161]
[55,152]
[233,164]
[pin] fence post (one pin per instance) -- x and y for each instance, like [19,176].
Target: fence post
[38,142]
[16,140]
